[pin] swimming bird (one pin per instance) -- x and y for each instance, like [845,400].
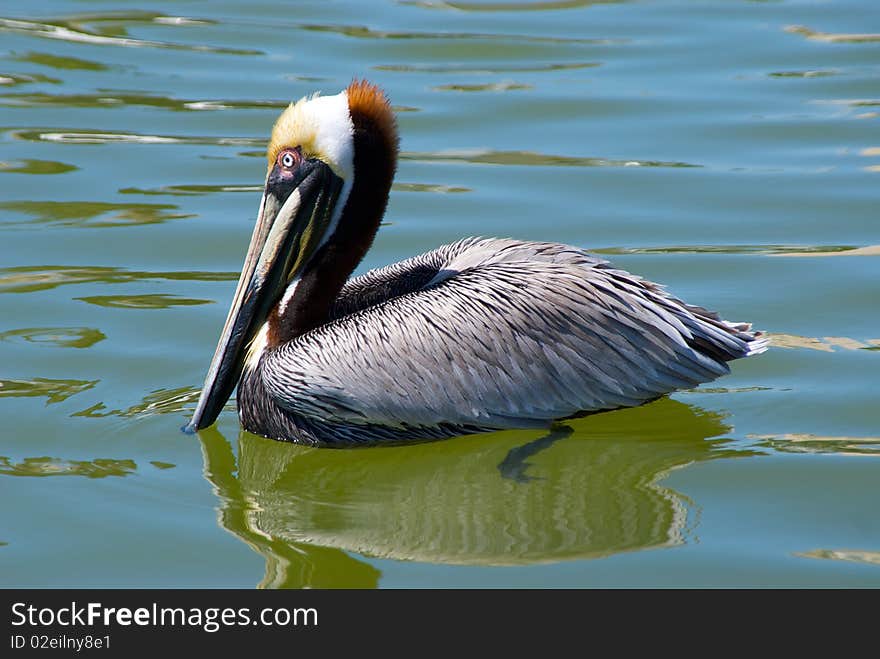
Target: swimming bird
[479,335]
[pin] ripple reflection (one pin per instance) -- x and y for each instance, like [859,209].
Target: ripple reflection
[60,337]
[483,69]
[90,214]
[849,555]
[89,136]
[831,37]
[88,30]
[110,99]
[55,391]
[147,301]
[540,5]
[529,158]
[46,466]
[486,87]
[161,401]
[29,279]
[809,443]
[364,32]
[39,167]
[66,63]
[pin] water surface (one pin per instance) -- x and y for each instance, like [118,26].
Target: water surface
[730,150]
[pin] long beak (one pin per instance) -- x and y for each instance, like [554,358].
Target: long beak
[294,216]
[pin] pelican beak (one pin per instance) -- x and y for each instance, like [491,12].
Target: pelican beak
[294,217]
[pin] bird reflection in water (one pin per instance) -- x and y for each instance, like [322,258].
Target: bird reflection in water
[589,489]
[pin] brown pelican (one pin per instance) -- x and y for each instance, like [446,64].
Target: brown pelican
[478,335]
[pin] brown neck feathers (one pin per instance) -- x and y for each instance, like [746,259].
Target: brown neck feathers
[375,162]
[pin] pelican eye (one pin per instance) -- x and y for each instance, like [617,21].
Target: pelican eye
[289,158]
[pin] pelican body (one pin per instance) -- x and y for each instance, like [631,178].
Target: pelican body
[479,335]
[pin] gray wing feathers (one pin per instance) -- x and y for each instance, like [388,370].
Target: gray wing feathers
[498,333]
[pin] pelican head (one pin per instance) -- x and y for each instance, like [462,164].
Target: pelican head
[331,160]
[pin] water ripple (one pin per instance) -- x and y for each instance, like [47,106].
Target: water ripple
[831,37]
[111,99]
[88,136]
[764,250]
[823,344]
[866,250]
[428,187]
[808,443]
[858,108]
[12,79]
[530,159]
[55,391]
[148,301]
[46,466]
[363,32]
[91,214]
[543,5]
[29,166]
[29,279]
[486,87]
[188,190]
[181,400]
[66,63]
[484,70]
[849,555]
[75,30]
[810,73]
[61,337]
[161,401]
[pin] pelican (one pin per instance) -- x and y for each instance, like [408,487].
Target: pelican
[478,335]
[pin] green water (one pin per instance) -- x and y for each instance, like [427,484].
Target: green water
[729,149]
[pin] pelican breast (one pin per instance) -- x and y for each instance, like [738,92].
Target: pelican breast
[488,334]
